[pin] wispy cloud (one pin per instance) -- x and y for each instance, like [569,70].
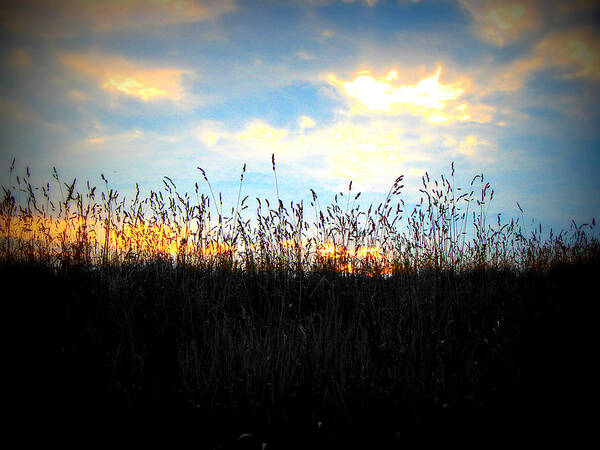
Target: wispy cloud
[306,122]
[329,2]
[574,53]
[64,17]
[502,22]
[23,112]
[470,146]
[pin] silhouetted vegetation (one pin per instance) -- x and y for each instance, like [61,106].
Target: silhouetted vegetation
[189,338]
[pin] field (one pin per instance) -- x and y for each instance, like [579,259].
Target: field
[165,322]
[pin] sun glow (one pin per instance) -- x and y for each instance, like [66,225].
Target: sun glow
[428,97]
[142,240]
[365,260]
[91,239]
[133,87]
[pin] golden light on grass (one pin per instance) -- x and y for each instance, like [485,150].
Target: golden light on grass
[215,249]
[364,260]
[143,240]
[446,230]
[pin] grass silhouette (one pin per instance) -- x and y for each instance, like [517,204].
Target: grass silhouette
[162,321]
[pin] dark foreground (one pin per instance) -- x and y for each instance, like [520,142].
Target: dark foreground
[155,356]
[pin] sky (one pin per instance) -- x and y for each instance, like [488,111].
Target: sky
[362,90]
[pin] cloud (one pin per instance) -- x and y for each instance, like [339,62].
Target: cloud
[329,2]
[502,22]
[124,136]
[429,98]
[372,153]
[306,122]
[470,146]
[575,53]
[124,77]
[24,112]
[369,153]
[257,133]
[63,17]
[367,2]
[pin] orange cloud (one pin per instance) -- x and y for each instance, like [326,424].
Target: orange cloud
[576,53]
[502,22]
[121,76]
[61,17]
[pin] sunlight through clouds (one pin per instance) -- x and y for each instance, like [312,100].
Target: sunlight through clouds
[429,98]
[380,95]
[371,153]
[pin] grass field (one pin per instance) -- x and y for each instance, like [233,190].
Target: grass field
[164,321]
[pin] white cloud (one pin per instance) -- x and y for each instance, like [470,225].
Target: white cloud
[429,98]
[306,122]
[371,152]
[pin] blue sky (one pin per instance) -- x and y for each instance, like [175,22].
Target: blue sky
[338,90]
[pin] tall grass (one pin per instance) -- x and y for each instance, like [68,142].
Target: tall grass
[175,322]
[449,228]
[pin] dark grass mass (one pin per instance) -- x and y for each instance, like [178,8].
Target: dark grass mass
[455,343]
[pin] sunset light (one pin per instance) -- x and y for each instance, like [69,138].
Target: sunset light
[300,224]
[430,98]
